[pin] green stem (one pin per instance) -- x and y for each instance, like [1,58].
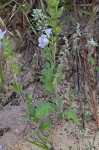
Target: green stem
[1,77]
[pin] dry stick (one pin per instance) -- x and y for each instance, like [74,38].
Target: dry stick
[78,82]
[94,107]
[98,65]
[93,5]
[83,80]
[78,64]
[94,52]
[91,96]
[42,5]
[95,74]
[95,59]
[74,3]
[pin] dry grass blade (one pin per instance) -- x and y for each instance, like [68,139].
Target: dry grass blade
[93,103]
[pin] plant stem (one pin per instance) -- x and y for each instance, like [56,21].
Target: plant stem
[1,77]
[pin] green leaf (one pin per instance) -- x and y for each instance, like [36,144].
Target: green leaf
[39,144]
[53,3]
[21,88]
[1,77]
[52,22]
[57,29]
[16,87]
[27,97]
[31,109]
[91,59]
[48,54]
[15,68]
[70,114]
[57,79]
[47,78]
[43,108]
[58,102]
[45,125]
[97,68]
[23,8]
[58,13]
[72,91]
[43,139]
[32,112]
[51,10]
[6,46]
[9,55]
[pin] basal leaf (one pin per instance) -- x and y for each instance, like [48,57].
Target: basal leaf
[39,144]
[43,108]
[70,113]
[46,124]
[16,87]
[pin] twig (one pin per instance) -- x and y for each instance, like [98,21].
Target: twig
[87,72]
[78,64]
[42,5]
[75,8]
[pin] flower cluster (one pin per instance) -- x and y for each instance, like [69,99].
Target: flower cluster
[92,43]
[43,39]
[40,20]
[2,33]
[78,32]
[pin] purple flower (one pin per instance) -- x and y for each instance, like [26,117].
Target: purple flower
[2,33]
[48,31]
[43,41]
[1,36]
[0,147]
[0,44]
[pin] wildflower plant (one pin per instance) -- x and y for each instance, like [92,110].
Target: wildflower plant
[51,74]
[6,50]
[51,38]
[9,55]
